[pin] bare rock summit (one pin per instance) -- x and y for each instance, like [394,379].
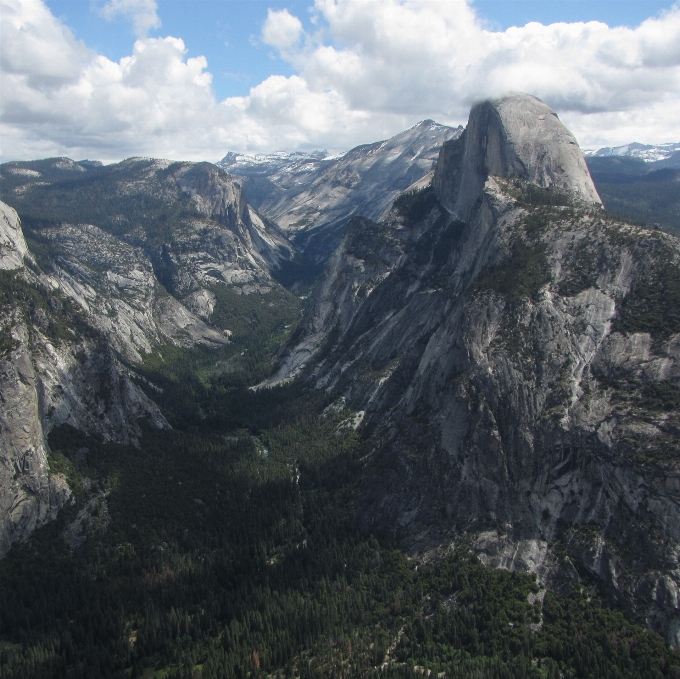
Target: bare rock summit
[515,136]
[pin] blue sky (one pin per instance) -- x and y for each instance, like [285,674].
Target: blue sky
[194,79]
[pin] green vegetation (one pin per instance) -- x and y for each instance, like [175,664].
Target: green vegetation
[60,464]
[199,395]
[521,275]
[661,396]
[56,315]
[205,389]
[652,305]
[255,315]
[237,557]
[417,204]
[582,272]
[7,342]
[531,195]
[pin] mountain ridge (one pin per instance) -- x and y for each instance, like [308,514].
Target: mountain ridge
[506,374]
[313,201]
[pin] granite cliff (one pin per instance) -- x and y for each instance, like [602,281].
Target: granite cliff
[311,198]
[514,352]
[121,262]
[56,368]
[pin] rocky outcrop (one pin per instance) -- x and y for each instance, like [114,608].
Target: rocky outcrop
[29,495]
[12,244]
[516,352]
[517,136]
[312,198]
[56,367]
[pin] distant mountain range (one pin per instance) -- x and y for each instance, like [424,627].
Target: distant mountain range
[267,164]
[662,155]
[311,196]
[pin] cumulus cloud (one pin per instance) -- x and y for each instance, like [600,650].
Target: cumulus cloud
[28,28]
[369,69]
[281,29]
[414,56]
[142,13]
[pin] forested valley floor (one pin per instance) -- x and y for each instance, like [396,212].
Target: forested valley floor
[226,547]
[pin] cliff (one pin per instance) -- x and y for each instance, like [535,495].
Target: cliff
[122,261]
[515,350]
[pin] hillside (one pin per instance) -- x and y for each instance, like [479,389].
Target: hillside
[513,348]
[638,191]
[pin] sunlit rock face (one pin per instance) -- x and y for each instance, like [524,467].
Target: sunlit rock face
[74,327]
[517,356]
[311,198]
[515,136]
[12,243]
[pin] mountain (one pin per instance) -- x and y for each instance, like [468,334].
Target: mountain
[122,266]
[167,519]
[639,191]
[512,350]
[269,164]
[312,198]
[657,156]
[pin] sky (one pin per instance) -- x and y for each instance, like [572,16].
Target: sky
[193,79]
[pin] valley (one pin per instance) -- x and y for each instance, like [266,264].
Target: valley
[409,411]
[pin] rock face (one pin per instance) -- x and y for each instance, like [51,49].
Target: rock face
[28,495]
[517,355]
[312,198]
[516,136]
[55,368]
[124,260]
[12,244]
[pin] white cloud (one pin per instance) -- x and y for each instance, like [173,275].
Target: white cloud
[369,69]
[27,29]
[436,58]
[142,13]
[281,29]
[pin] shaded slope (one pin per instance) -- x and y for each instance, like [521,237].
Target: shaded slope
[504,348]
